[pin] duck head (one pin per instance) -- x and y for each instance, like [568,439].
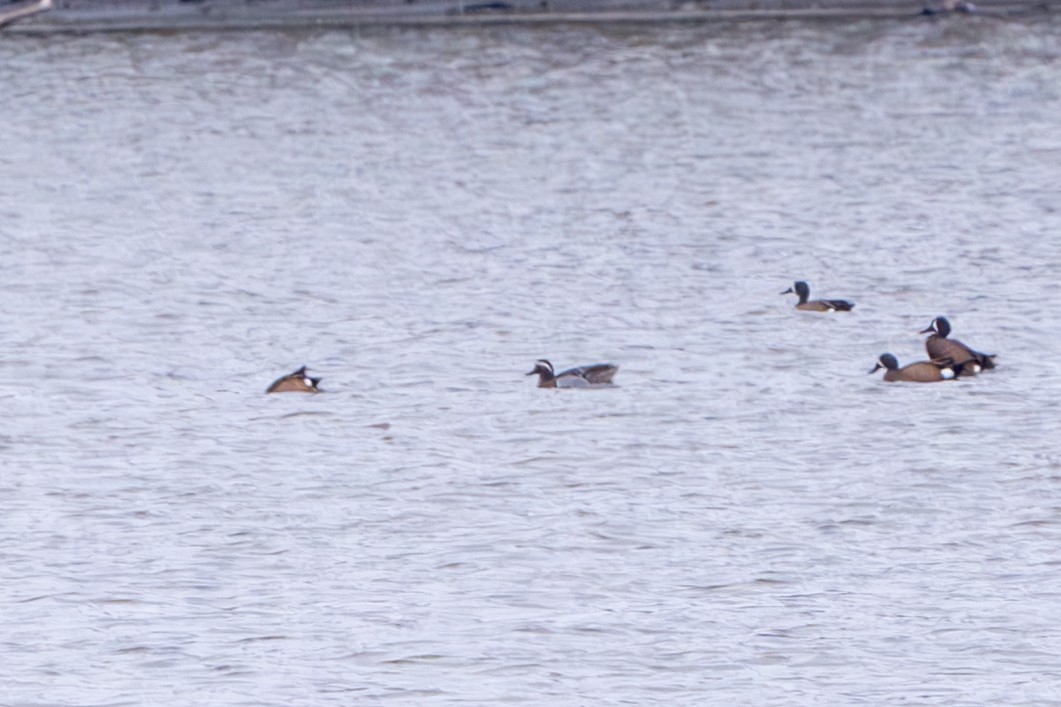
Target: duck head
[800,288]
[542,368]
[939,325]
[885,361]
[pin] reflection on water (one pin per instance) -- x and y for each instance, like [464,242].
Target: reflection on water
[419,216]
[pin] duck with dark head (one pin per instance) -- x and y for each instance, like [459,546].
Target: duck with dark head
[816,305]
[595,375]
[940,347]
[920,372]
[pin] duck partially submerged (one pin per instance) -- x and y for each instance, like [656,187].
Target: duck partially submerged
[594,375]
[817,305]
[297,382]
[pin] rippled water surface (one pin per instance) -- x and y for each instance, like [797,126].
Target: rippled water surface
[748,518]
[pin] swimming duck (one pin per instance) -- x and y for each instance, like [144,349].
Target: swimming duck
[597,374]
[818,305]
[948,6]
[297,382]
[920,372]
[940,347]
[12,14]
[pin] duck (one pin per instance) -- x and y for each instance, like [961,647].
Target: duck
[10,15]
[939,346]
[593,375]
[817,305]
[297,382]
[949,6]
[920,372]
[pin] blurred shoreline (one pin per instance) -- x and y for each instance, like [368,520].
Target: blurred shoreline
[170,15]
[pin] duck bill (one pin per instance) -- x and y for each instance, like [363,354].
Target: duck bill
[874,369]
[789,291]
[929,330]
[531,373]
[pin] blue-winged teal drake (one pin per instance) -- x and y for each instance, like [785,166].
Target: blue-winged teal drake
[297,382]
[940,347]
[817,305]
[920,372]
[597,374]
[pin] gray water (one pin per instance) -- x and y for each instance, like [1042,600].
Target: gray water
[746,518]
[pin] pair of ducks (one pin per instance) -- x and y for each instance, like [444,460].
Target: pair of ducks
[596,375]
[948,358]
